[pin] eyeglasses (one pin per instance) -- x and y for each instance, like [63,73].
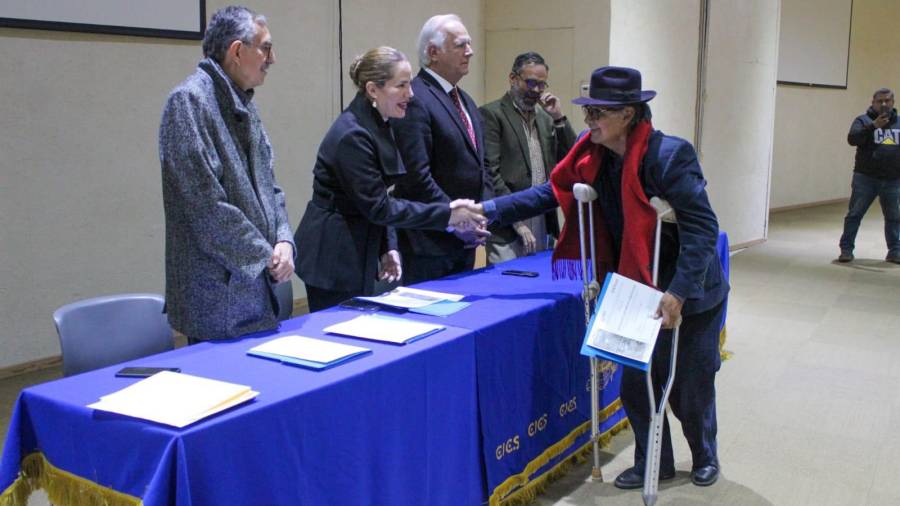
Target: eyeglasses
[534,83]
[265,47]
[595,112]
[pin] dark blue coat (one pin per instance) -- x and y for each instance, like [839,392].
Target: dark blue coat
[443,164]
[689,265]
[344,229]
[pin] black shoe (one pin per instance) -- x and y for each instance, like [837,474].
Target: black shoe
[631,479]
[893,258]
[846,256]
[705,476]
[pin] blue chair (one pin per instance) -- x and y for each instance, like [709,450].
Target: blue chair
[285,294]
[102,331]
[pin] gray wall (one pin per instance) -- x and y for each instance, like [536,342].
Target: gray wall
[738,101]
[80,198]
[812,160]
[573,37]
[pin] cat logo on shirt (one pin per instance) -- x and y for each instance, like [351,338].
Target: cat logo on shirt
[887,136]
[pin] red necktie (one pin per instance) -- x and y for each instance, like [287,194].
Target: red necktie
[462,116]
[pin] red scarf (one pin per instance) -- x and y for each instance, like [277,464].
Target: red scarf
[582,165]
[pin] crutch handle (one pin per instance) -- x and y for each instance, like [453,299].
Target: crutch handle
[584,192]
[664,211]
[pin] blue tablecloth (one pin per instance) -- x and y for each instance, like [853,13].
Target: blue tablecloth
[469,415]
[398,426]
[533,383]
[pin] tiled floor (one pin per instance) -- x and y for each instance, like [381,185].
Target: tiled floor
[808,404]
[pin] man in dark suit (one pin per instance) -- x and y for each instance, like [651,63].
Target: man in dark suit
[523,142]
[441,140]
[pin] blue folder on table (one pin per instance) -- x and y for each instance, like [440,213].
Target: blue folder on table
[307,352]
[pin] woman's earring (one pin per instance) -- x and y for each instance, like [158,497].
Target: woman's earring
[374,104]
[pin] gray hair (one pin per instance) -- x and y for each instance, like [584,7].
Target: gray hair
[227,25]
[882,91]
[433,34]
[527,59]
[641,113]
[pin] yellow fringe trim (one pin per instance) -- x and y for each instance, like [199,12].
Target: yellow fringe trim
[518,490]
[516,481]
[528,493]
[62,487]
[723,336]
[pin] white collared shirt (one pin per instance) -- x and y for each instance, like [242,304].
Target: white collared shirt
[446,86]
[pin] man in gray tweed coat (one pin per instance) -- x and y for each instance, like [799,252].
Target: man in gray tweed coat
[227,233]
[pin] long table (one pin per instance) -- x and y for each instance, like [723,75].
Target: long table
[478,413]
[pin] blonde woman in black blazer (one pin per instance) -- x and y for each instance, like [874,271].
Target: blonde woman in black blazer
[347,226]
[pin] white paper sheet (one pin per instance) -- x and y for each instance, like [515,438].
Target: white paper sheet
[625,324]
[408,298]
[174,399]
[628,309]
[619,345]
[307,348]
[384,328]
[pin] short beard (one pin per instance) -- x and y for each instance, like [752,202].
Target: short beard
[519,100]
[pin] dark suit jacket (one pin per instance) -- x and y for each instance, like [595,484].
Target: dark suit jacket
[442,163]
[689,265]
[343,231]
[507,157]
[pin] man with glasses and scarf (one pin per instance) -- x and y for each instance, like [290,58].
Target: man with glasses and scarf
[228,239]
[525,136]
[628,162]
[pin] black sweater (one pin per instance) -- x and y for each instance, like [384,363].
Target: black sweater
[877,149]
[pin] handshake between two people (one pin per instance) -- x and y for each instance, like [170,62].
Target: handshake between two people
[468,222]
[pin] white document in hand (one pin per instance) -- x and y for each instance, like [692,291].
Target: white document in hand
[174,399]
[625,322]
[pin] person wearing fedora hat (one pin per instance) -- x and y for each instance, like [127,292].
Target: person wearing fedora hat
[628,162]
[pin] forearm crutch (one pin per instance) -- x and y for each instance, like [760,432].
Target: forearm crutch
[585,195]
[664,212]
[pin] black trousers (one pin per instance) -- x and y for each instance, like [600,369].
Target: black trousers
[693,396]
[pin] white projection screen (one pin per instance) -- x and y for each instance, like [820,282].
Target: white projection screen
[180,19]
[814,44]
